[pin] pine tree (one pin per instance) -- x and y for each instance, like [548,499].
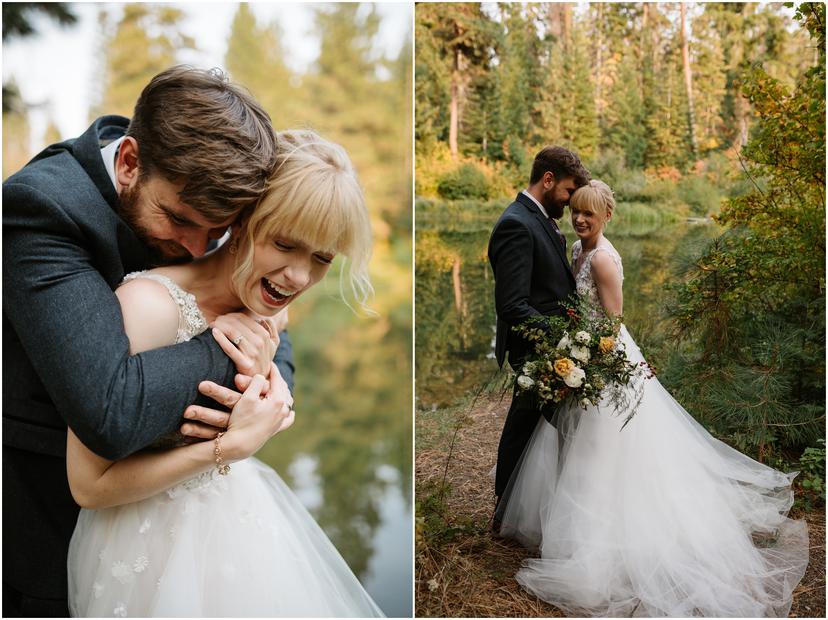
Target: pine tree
[255,59]
[52,133]
[754,304]
[134,56]
[461,38]
[15,134]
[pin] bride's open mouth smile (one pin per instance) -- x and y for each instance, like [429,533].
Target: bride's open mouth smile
[275,296]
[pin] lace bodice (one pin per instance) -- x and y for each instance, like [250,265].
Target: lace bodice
[190,320]
[584,284]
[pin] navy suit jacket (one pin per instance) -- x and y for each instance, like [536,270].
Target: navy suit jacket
[532,274]
[66,357]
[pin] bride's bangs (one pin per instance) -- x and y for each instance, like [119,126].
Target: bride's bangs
[314,198]
[323,214]
[594,198]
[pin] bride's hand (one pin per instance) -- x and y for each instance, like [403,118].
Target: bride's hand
[257,416]
[247,342]
[204,422]
[276,383]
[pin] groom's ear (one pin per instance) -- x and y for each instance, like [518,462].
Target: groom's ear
[126,164]
[548,179]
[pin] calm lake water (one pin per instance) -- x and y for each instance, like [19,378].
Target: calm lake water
[348,455]
[454,295]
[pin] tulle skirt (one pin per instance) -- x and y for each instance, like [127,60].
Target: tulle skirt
[239,545]
[657,520]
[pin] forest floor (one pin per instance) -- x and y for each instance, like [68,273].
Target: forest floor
[464,571]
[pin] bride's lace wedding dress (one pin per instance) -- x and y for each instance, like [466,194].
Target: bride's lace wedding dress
[657,519]
[239,545]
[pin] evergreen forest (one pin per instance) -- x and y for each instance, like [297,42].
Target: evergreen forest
[691,112]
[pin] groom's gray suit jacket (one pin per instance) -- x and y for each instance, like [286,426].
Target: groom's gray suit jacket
[65,354]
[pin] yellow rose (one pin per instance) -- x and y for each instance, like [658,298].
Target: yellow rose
[606,344]
[564,366]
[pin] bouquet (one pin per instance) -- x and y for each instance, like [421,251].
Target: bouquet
[580,357]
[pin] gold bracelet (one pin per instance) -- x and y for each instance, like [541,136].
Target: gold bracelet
[222,467]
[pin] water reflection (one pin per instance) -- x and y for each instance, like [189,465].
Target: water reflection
[348,456]
[455,296]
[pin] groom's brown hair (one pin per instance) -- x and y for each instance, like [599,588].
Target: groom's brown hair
[195,127]
[561,162]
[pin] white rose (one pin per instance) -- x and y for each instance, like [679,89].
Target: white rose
[575,378]
[525,382]
[585,402]
[580,353]
[583,337]
[564,342]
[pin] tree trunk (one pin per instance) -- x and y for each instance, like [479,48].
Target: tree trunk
[560,22]
[455,279]
[454,107]
[688,82]
[599,56]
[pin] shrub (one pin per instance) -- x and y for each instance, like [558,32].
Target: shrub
[700,194]
[467,181]
[812,476]
[609,167]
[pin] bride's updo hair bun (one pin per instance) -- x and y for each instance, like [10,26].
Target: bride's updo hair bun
[596,197]
[313,197]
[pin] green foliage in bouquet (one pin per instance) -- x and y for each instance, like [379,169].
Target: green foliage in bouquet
[580,358]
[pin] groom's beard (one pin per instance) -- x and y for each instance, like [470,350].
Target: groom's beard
[554,208]
[164,251]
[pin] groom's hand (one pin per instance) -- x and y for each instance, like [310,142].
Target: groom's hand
[206,423]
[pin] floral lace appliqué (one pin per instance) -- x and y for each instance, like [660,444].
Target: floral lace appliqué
[122,572]
[205,482]
[584,284]
[190,322]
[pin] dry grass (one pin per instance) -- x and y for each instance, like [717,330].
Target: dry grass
[468,572]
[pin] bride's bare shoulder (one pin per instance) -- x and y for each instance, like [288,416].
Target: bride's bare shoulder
[151,315]
[605,264]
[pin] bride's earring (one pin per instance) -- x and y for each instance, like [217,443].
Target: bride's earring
[234,245]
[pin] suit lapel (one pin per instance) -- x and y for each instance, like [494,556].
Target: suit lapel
[87,150]
[544,223]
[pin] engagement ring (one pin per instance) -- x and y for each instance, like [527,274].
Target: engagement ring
[237,341]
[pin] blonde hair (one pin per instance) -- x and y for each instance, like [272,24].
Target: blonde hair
[596,197]
[313,197]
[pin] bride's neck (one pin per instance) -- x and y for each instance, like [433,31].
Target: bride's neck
[209,279]
[592,243]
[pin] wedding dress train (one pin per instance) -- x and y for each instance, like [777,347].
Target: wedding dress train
[658,519]
[240,545]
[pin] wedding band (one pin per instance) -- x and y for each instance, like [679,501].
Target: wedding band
[237,341]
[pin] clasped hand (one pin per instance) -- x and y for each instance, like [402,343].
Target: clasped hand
[265,406]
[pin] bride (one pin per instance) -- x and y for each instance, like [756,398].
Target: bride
[657,519]
[165,532]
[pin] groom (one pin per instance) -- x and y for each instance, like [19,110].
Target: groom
[124,196]
[528,255]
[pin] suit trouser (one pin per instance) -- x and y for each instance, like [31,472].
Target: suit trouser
[520,422]
[18,605]
[39,517]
